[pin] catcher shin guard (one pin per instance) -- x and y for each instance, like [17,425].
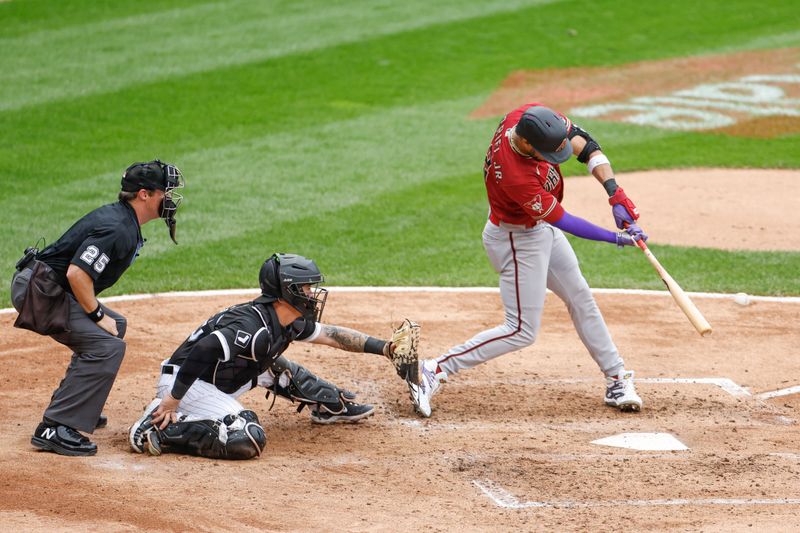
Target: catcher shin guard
[328,402]
[235,437]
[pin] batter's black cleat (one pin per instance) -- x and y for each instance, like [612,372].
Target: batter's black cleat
[348,411]
[62,440]
[101,422]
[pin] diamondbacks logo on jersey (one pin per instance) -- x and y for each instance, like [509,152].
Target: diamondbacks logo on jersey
[535,204]
[242,338]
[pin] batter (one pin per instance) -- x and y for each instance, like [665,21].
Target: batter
[524,240]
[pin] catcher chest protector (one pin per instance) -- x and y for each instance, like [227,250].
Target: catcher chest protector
[234,437]
[308,389]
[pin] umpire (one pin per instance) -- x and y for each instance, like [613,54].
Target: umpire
[55,292]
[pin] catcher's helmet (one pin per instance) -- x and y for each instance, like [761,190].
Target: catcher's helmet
[546,131]
[285,275]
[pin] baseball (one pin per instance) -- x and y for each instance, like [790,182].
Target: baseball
[742,298]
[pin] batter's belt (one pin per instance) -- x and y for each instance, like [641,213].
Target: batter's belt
[511,227]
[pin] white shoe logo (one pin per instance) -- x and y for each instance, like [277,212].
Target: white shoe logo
[49,433]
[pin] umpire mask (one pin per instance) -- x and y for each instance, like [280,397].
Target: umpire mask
[157,175]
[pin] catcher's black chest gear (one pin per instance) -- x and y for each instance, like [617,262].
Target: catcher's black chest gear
[250,339]
[104,243]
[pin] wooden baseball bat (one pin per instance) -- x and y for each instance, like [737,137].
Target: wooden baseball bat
[681,298]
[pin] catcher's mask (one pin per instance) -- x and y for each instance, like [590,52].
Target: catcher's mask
[296,280]
[157,175]
[546,131]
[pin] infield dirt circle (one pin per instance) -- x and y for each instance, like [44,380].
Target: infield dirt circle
[509,446]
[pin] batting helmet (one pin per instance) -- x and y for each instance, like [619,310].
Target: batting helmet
[284,276]
[546,131]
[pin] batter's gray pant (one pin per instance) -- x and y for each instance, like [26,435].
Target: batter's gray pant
[97,356]
[529,261]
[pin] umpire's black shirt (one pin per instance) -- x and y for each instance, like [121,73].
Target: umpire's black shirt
[104,243]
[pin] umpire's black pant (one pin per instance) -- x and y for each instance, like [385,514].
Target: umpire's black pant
[97,356]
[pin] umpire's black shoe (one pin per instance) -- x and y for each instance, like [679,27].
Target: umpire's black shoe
[101,422]
[62,440]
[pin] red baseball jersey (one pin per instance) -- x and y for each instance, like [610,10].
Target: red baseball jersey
[521,189]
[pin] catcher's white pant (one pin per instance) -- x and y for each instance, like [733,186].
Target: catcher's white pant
[530,260]
[204,401]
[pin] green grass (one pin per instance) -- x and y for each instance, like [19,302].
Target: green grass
[339,130]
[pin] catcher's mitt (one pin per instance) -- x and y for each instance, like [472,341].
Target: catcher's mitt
[404,357]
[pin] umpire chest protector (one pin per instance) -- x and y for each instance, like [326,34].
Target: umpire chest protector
[250,338]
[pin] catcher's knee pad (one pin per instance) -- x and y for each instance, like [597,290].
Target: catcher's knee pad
[302,385]
[234,437]
[249,416]
[245,437]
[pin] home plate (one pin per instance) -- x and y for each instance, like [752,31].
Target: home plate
[643,441]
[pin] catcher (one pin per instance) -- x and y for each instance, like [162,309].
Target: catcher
[196,410]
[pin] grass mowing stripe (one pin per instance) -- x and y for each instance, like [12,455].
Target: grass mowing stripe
[103,57]
[420,66]
[28,16]
[263,180]
[778,40]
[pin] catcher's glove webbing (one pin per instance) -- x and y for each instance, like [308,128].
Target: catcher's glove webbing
[404,357]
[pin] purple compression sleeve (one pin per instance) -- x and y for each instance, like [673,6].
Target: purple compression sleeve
[584,229]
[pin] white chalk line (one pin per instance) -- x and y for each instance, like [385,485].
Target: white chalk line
[726,384]
[243,292]
[778,393]
[502,498]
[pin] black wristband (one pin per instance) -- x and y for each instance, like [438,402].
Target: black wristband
[374,345]
[611,186]
[96,315]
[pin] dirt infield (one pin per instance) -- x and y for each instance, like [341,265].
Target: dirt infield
[508,448]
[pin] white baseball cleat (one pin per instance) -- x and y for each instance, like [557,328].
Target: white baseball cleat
[429,383]
[621,392]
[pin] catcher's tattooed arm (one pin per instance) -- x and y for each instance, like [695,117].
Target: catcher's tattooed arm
[351,340]
[401,349]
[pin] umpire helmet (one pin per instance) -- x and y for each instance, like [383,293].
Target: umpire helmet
[157,175]
[285,275]
[151,176]
[546,131]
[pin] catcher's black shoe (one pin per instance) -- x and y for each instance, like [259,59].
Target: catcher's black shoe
[62,440]
[347,411]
